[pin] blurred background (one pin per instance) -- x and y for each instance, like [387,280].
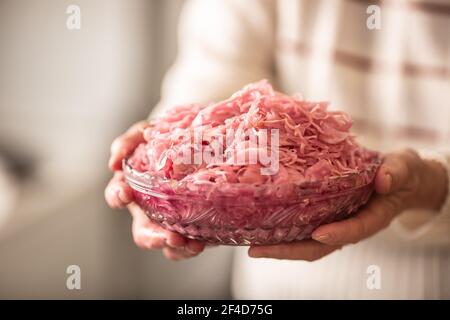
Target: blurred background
[64,96]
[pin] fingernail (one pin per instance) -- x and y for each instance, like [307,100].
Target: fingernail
[178,246]
[253,253]
[190,247]
[322,237]
[116,191]
[181,248]
[189,250]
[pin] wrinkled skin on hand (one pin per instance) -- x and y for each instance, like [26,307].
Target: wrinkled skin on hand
[403,181]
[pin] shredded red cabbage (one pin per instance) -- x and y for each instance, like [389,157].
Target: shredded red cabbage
[314,142]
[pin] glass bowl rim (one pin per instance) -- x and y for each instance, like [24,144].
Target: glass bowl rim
[152,185]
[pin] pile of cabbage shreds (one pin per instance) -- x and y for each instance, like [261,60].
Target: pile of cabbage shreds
[314,143]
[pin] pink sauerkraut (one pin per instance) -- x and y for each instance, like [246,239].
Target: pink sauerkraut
[314,143]
[321,174]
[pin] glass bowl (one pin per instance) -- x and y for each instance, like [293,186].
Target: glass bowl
[247,214]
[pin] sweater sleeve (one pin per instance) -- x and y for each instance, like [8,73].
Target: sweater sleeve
[423,226]
[222,45]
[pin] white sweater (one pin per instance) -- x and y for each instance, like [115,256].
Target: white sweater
[393,81]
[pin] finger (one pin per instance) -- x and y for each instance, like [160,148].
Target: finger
[150,234]
[146,234]
[125,144]
[308,250]
[112,196]
[176,254]
[191,249]
[395,171]
[118,193]
[194,246]
[376,216]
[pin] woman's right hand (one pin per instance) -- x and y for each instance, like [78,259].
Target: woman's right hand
[118,194]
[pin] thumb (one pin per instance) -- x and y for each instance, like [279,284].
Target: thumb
[394,172]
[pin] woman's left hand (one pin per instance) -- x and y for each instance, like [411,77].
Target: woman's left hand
[403,181]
